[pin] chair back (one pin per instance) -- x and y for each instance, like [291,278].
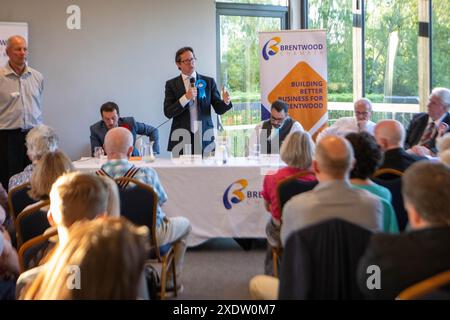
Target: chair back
[428,288]
[320,261]
[31,222]
[291,186]
[32,251]
[138,203]
[18,199]
[392,180]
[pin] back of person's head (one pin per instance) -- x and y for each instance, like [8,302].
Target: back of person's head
[334,155]
[368,155]
[76,196]
[40,140]
[103,259]
[280,106]
[426,187]
[297,150]
[390,133]
[47,171]
[118,141]
[443,143]
[109,107]
[444,96]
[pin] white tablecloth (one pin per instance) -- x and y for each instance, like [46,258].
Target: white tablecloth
[219,200]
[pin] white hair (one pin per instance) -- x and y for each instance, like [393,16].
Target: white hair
[443,94]
[40,140]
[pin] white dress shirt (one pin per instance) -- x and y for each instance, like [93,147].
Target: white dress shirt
[192,103]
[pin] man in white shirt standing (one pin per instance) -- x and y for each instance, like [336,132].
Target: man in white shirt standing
[360,122]
[270,134]
[21,89]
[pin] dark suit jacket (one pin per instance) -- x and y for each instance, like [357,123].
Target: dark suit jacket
[416,128]
[404,259]
[180,115]
[399,159]
[99,129]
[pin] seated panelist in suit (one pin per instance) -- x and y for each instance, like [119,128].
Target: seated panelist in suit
[425,127]
[188,100]
[111,119]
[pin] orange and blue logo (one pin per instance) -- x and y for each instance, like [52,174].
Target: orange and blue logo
[237,195]
[271,48]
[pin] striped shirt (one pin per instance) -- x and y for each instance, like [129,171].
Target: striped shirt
[118,168]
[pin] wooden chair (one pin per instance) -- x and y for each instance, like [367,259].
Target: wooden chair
[286,189]
[31,248]
[392,180]
[426,287]
[138,203]
[18,199]
[31,222]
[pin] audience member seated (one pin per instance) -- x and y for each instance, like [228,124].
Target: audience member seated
[390,136]
[39,140]
[410,257]
[111,119]
[48,169]
[334,196]
[101,259]
[9,266]
[73,197]
[119,146]
[297,152]
[360,122]
[368,157]
[426,126]
[270,134]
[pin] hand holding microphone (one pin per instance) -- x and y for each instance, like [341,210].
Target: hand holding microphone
[191,94]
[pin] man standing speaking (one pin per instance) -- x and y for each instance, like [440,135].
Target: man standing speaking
[21,89]
[188,100]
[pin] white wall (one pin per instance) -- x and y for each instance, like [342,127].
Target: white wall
[124,52]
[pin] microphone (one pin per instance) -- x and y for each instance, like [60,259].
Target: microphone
[192,81]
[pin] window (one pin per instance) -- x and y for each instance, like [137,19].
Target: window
[238,63]
[441,44]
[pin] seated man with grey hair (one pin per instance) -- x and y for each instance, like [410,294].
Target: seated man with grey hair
[425,127]
[39,141]
[424,251]
[118,147]
[360,122]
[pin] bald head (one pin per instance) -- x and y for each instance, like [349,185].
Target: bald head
[390,134]
[118,143]
[17,51]
[334,156]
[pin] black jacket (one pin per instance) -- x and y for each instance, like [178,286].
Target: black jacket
[416,128]
[320,261]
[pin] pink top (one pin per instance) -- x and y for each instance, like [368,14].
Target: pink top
[269,192]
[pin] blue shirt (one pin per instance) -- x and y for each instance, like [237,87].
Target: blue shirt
[118,168]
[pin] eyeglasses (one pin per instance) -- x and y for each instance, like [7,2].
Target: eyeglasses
[188,61]
[273,119]
[364,113]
